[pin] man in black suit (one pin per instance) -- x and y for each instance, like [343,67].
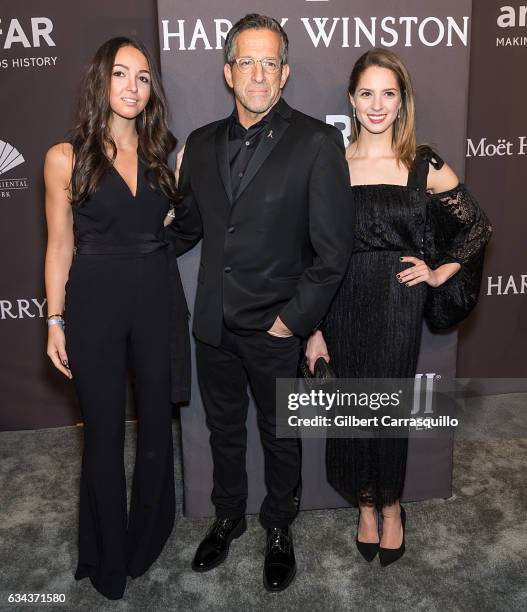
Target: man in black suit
[268,190]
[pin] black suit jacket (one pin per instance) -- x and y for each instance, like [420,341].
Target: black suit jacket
[282,247]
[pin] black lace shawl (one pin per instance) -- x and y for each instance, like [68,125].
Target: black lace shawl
[456,230]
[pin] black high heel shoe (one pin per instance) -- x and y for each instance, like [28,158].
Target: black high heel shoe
[367,549]
[390,555]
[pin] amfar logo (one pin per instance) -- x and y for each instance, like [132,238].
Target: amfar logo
[10,158]
[32,34]
[39,27]
[22,309]
[512,17]
[500,148]
[505,285]
[344,32]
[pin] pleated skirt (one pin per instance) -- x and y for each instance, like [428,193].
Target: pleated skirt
[373,330]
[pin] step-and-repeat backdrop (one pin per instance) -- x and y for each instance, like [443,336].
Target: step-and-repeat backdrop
[462,58]
[493,342]
[45,48]
[326,38]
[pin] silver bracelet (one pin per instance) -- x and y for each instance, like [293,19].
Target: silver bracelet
[56,322]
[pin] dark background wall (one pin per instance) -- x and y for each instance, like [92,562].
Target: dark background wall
[38,88]
[493,342]
[37,110]
[326,38]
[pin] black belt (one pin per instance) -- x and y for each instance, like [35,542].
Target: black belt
[143,244]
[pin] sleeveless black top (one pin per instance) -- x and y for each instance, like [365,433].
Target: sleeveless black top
[114,221]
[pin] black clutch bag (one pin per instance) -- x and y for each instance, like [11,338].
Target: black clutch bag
[323,373]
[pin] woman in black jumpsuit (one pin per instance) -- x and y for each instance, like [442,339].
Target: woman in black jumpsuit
[124,305]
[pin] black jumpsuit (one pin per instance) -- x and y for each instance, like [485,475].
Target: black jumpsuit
[118,313]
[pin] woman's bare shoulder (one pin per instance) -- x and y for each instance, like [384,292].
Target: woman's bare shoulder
[60,155]
[59,162]
[442,179]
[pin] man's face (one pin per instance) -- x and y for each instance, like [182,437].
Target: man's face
[256,91]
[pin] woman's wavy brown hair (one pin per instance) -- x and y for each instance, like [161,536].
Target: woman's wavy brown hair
[91,135]
[404,138]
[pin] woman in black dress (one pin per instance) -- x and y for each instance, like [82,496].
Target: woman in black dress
[418,249]
[108,192]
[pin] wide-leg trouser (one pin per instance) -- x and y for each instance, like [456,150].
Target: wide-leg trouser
[117,312]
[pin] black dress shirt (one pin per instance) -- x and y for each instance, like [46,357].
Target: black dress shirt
[243,143]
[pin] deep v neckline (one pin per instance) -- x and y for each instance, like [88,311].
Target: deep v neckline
[137,176]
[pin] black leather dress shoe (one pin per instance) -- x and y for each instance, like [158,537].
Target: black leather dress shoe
[280,564]
[214,547]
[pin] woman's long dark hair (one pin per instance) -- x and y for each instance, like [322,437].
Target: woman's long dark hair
[91,135]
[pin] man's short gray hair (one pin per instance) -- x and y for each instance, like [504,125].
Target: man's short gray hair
[254,21]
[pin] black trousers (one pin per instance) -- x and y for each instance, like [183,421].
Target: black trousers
[223,374]
[117,310]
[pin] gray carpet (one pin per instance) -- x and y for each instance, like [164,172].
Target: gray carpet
[465,553]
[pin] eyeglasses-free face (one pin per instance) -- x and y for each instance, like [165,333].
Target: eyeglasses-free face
[377,99]
[130,83]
